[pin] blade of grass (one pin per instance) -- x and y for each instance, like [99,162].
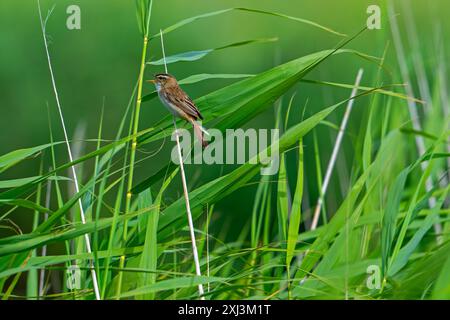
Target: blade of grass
[220,187]
[214,13]
[44,248]
[329,231]
[197,55]
[335,151]
[149,255]
[32,276]
[420,144]
[413,201]
[295,216]
[148,13]
[441,290]
[33,240]
[118,202]
[282,188]
[378,91]
[83,219]
[260,92]
[408,249]
[10,159]
[14,183]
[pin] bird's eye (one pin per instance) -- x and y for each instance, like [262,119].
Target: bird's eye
[161,77]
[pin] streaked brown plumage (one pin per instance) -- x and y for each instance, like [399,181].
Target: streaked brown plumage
[178,102]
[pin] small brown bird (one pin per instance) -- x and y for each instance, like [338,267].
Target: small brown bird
[179,103]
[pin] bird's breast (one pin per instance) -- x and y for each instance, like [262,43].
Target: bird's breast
[168,104]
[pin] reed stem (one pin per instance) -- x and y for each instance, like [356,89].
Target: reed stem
[188,212]
[336,148]
[134,145]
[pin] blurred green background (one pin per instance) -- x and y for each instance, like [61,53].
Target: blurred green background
[99,65]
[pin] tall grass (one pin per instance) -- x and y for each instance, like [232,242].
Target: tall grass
[142,243]
[69,151]
[144,13]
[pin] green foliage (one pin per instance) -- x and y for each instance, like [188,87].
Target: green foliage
[197,55]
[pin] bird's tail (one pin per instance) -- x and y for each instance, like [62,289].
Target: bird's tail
[199,131]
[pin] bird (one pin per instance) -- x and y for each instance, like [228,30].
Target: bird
[179,103]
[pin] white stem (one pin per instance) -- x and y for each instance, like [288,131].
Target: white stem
[83,219]
[163,52]
[188,211]
[420,144]
[336,148]
[186,193]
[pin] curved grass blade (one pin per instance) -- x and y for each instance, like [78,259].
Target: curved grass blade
[283,192]
[36,239]
[199,54]
[380,91]
[441,289]
[295,217]
[215,13]
[40,262]
[14,183]
[390,217]
[149,257]
[10,159]
[25,204]
[116,146]
[208,76]
[198,78]
[250,96]
[176,283]
[319,247]
[433,217]
[219,188]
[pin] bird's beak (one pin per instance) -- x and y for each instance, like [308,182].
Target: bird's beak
[152,81]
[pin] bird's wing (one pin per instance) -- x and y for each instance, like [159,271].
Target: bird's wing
[188,105]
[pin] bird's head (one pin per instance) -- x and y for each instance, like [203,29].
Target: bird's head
[163,80]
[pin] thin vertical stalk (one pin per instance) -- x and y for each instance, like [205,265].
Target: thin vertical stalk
[186,193]
[417,58]
[121,187]
[336,148]
[319,176]
[188,211]
[134,144]
[69,151]
[32,276]
[445,105]
[424,88]
[44,248]
[208,220]
[420,143]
